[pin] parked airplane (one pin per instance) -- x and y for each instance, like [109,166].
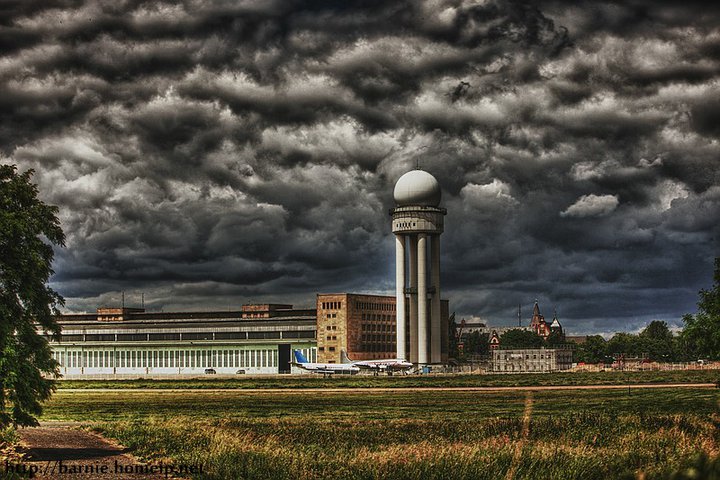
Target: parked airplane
[324,368]
[388,365]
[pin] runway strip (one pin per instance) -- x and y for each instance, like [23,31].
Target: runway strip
[395,389]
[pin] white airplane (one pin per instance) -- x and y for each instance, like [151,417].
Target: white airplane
[388,365]
[324,368]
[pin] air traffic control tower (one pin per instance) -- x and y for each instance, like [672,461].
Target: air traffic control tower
[417,220]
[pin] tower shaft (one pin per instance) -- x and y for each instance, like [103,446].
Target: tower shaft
[415,227]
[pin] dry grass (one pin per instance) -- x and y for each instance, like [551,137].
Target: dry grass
[593,435]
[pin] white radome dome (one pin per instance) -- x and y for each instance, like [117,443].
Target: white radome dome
[417,188]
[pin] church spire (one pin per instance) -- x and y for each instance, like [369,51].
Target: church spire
[537,318]
[536,309]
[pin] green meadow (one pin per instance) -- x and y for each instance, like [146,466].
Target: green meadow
[314,434]
[408,381]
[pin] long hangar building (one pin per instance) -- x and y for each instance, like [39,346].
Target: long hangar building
[259,338]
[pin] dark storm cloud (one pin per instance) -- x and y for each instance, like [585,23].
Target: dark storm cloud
[705,116]
[210,153]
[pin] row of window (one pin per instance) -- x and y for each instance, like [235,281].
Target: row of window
[168,358]
[331,305]
[378,317]
[405,224]
[145,337]
[385,327]
[522,368]
[387,307]
[518,356]
[377,338]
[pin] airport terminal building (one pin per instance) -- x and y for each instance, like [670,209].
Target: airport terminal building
[257,339]
[129,342]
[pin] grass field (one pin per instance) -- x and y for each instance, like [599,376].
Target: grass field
[361,381]
[590,434]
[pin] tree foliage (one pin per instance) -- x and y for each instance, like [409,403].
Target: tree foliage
[453,350]
[658,342]
[592,350]
[701,335]
[624,343]
[555,339]
[28,229]
[476,343]
[517,338]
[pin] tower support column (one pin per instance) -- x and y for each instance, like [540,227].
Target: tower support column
[400,295]
[435,325]
[412,273]
[422,299]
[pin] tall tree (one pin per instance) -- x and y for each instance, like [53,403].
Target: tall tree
[701,335]
[657,341]
[592,350]
[28,229]
[624,343]
[476,343]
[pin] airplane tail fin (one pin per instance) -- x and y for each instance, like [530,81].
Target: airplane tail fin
[344,358]
[299,357]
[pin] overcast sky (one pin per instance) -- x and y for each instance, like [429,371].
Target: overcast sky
[211,154]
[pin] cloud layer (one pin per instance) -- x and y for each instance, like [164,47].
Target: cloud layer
[591,206]
[212,153]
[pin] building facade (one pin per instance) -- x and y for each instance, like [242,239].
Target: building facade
[131,342]
[257,339]
[364,326]
[537,325]
[536,360]
[541,327]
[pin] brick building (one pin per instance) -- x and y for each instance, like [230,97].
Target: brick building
[362,325]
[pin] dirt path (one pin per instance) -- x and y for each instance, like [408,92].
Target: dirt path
[517,456]
[58,451]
